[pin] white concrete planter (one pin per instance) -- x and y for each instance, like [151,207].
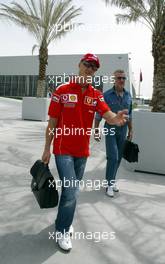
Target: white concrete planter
[149,134]
[34,108]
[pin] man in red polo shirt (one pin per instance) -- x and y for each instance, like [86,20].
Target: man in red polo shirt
[72,109]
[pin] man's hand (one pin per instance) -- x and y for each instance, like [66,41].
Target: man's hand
[48,139]
[46,156]
[120,119]
[97,135]
[130,135]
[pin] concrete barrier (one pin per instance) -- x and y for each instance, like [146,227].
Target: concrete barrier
[34,108]
[149,134]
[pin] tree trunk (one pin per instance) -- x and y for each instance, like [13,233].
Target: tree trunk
[41,88]
[43,62]
[158,97]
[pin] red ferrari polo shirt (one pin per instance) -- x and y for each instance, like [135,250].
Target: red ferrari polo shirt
[75,113]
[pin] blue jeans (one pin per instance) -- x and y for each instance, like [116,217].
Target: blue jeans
[70,169]
[114,152]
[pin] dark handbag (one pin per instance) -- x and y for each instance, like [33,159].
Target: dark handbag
[130,151]
[43,185]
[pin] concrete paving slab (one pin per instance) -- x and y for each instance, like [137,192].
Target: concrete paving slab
[135,216]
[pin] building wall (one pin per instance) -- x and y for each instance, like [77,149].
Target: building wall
[60,64]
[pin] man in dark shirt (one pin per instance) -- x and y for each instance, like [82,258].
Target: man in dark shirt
[118,99]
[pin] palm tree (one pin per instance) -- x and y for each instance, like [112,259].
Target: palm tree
[152,14]
[46,20]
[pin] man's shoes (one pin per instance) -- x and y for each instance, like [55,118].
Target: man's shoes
[64,241]
[109,191]
[115,188]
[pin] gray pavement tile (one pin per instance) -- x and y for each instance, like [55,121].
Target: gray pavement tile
[136,214]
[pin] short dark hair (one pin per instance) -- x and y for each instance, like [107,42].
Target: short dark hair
[118,71]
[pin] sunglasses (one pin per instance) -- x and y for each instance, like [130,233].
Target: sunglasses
[90,65]
[121,78]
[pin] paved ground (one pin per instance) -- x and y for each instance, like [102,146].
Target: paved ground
[136,214]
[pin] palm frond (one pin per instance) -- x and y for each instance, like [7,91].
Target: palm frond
[57,34]
[34,47]
[137,10]
[39,17]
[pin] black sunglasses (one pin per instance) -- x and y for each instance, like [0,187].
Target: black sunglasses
[89,64]
[121,78]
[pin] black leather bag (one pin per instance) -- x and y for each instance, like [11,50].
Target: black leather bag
[130,151]
[43,185]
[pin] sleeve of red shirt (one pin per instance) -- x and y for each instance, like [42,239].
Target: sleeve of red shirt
[101,106]
[55,104]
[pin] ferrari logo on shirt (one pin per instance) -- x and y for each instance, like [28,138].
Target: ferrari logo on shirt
[69,98]
[90,101]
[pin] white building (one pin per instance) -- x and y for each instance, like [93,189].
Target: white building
[18,75]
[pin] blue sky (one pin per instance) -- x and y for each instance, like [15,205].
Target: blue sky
[101,35]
